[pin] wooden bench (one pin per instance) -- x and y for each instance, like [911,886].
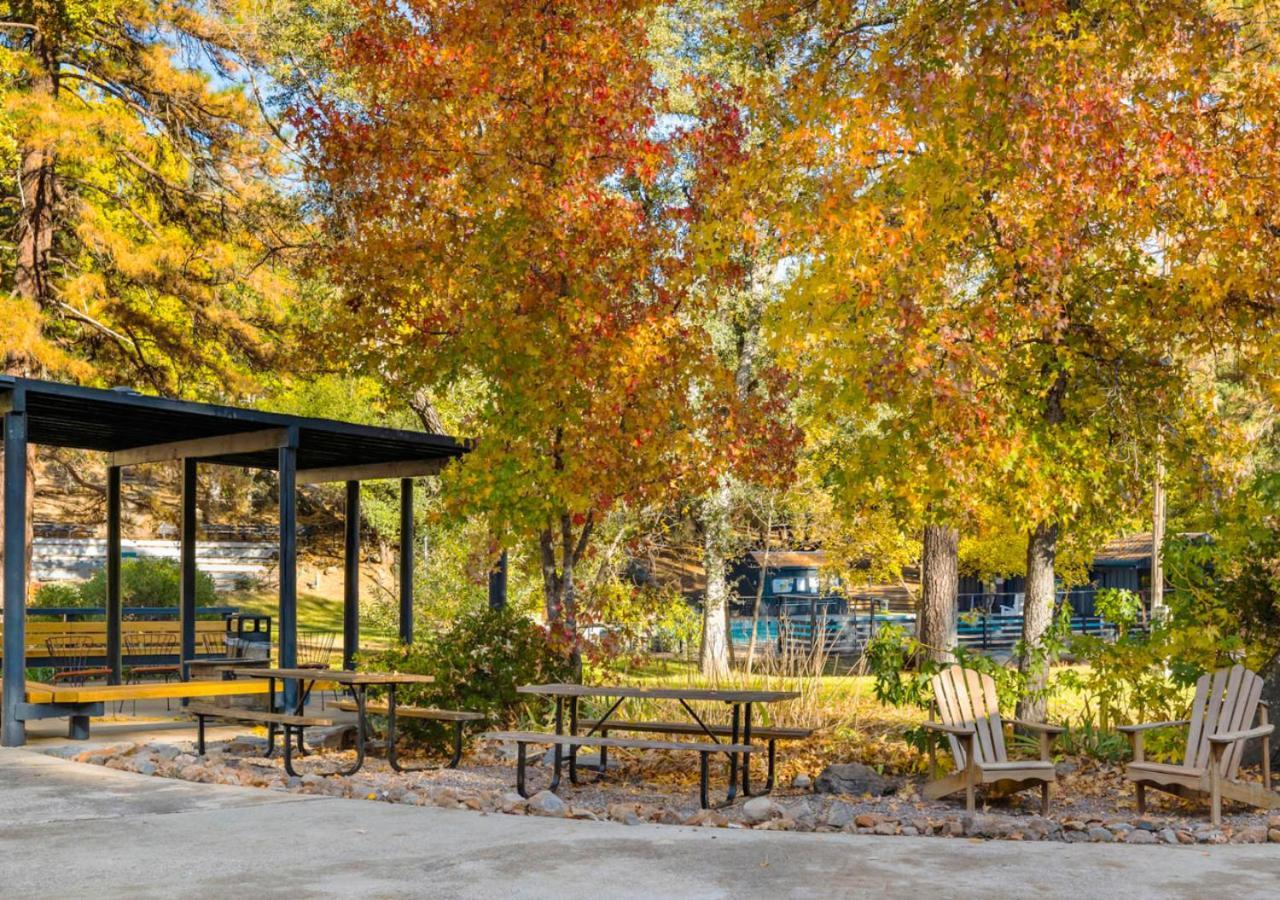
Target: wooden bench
[704,750]
[288,724]
[80,702]
[765,733]
[458,717]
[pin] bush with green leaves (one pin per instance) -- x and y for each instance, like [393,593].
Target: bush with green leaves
[477,662]
[57,594]
[147,581]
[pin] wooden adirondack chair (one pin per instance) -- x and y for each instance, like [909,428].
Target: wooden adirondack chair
[1225,704]
[970,714]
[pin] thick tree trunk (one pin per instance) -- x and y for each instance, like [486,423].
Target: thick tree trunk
[715,613]
[37,191]
[1037,616]
[559,587]
[940,587]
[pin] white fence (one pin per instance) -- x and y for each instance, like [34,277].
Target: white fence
[230,563]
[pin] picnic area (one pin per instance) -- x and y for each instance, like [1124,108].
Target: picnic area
[825,431]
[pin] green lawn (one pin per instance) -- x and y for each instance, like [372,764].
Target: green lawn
[315,613]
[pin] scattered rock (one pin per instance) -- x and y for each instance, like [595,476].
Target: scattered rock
[1273,835]
[1140,836]
[1256,834]
[626,813]
[545,803]
[838,815]
[885,828]
[1168,835]
[760,809]
[1098,834]
[708,818]
[339,737]
[802,782]
[854,778]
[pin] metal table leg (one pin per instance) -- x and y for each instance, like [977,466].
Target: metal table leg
[559,756]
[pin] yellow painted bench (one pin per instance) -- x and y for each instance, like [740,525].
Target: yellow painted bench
[80,702]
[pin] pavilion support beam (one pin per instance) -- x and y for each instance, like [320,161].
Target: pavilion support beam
[406,560]
[351,578]
[187,564]
[288,631]
[14,731]
[115,606]
[202,448]
[409,468]
[498,583]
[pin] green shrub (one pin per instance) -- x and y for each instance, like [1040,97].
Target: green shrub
[57,594]
[148,581]
[478,663]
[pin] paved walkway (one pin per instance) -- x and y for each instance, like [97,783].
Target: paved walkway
[68,829]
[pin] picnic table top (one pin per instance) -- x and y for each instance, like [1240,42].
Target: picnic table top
[656,693]
[338,676]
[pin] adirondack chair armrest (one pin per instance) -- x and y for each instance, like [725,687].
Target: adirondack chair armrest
[1230,737]
[1043,727]
[958,730]
[1148,726]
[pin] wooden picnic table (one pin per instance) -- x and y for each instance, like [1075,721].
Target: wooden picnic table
[359,683]
[740,702]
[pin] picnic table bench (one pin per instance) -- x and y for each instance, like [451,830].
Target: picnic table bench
[770,734]
[704,750]
[458,717]
[359,684]
[289,725]
[739,731]
[80,702]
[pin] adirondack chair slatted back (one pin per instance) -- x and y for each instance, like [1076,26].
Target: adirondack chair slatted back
[1227,700]
[966,697]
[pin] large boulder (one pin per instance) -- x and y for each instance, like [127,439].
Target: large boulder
[854,778]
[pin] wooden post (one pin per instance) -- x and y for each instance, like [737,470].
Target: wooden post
[115,611]
[288,465]
[14,733]
[187,563]
[351,578]
[498,583]
[406,560]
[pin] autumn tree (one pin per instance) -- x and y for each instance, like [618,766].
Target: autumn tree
[1064,204]
[141,198]
[490,189]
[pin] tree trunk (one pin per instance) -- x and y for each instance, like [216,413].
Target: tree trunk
[1037,616]
[939,594]
[1157,544]
[37,190]
[559,588]
[715,630]
[759,599]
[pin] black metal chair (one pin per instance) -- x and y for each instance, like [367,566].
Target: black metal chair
[74,659]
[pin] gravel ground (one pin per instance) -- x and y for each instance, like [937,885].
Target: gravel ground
[1093,803]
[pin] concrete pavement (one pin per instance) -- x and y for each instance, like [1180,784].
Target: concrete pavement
[74,830]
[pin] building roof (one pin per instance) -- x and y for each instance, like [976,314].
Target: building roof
[1133,549]
[790,559]
[119,420]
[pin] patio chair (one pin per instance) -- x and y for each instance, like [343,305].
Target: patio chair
[315,651]
[970,713]
[1225,704]
[72,655]
[152,643]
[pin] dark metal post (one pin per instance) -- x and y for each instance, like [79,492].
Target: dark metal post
[114,603]
[351,579]
[15,573]
[288,456]
[406,560]
[187,562]
[498,583]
